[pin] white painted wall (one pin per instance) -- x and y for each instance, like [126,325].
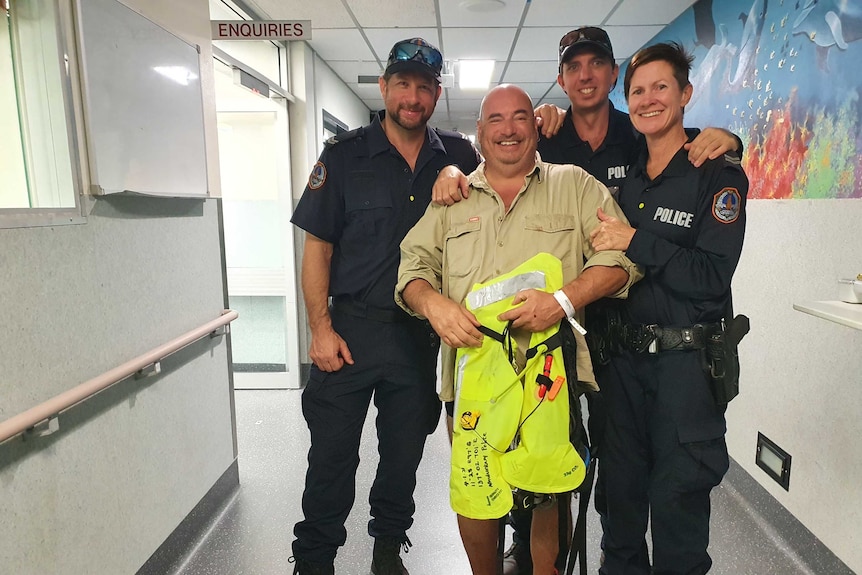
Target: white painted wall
[801,375]
[125,468]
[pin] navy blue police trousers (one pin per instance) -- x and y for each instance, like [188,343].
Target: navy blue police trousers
[395,364]
[663,452]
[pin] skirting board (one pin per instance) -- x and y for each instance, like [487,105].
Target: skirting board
[183,540]
[790,534]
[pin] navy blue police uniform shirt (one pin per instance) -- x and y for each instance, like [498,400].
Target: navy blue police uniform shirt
[363,198]
[609,163]
[690,226]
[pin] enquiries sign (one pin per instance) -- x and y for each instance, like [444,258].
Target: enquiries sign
[261,29]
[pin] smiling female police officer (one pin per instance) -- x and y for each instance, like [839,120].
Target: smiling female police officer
[664,447]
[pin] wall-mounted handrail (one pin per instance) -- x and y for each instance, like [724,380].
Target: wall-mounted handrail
[51,408]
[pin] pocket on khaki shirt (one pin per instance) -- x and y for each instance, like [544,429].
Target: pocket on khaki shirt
[553,233]
[462,251]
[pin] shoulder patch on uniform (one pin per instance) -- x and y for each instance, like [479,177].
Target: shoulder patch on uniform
[317,177]
[726,205]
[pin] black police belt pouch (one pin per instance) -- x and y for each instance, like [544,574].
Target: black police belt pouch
[722,357]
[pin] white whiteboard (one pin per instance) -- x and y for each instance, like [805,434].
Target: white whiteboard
[143,104]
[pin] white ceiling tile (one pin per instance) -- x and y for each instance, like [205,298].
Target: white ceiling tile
[322,13]
[457,94]
[374,13]
[642,12]
[461,43]
[575,13]
[536,90]
[407,14]
[453,13]
[534,71]
[539,43]
[340,45]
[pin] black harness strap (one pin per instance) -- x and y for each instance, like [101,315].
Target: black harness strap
[504,339]
[578,549]
[551,344]
[564,502]
[501,337]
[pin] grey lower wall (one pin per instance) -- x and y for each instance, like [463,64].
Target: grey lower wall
[102,494]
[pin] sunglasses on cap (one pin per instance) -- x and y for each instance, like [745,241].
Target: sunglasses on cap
[416,50]
[586,36]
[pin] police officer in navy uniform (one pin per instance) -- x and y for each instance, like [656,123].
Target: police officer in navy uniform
[664,447]
[594,135]
[368,188]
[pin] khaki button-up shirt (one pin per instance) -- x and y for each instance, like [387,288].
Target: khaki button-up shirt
[472,241]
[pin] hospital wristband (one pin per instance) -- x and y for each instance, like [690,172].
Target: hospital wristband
[569,310]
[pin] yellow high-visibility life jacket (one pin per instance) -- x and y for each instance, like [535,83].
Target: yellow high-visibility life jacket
[495,401]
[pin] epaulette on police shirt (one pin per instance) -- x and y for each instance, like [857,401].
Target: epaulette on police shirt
[732,159]
[344,137]
[728,161]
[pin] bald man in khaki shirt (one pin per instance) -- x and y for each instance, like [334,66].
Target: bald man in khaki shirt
[518,206]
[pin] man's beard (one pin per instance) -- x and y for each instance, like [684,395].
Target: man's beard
[407,124]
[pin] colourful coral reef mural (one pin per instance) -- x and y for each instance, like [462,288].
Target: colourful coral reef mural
[782,75]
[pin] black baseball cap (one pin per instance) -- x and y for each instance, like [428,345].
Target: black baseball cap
[417,55]
[586,37]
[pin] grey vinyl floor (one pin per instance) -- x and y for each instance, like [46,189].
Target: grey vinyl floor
[254,534]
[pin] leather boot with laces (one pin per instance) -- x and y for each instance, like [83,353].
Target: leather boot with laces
[386,559]
[517,560]
[303,567]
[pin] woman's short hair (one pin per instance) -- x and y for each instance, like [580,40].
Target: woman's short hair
[674,54]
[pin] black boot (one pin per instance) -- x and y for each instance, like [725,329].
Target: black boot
[308,568]
[386,559]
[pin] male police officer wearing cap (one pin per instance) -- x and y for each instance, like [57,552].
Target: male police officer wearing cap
[368,188]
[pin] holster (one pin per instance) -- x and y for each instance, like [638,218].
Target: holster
[722,359]
[603,322]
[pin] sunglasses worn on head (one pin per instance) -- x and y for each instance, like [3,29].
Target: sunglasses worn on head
[596,35]
[424,54]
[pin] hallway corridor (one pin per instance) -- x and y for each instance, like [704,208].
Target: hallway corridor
[253,535]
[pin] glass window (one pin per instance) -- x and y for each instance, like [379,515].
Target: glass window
[38,165]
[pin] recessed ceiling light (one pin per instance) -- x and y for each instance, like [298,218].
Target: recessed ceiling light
[482,5]
[475,74]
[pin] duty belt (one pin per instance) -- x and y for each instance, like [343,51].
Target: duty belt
[348,306]
[655,338]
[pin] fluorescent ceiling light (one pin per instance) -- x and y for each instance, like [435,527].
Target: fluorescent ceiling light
[475,74]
